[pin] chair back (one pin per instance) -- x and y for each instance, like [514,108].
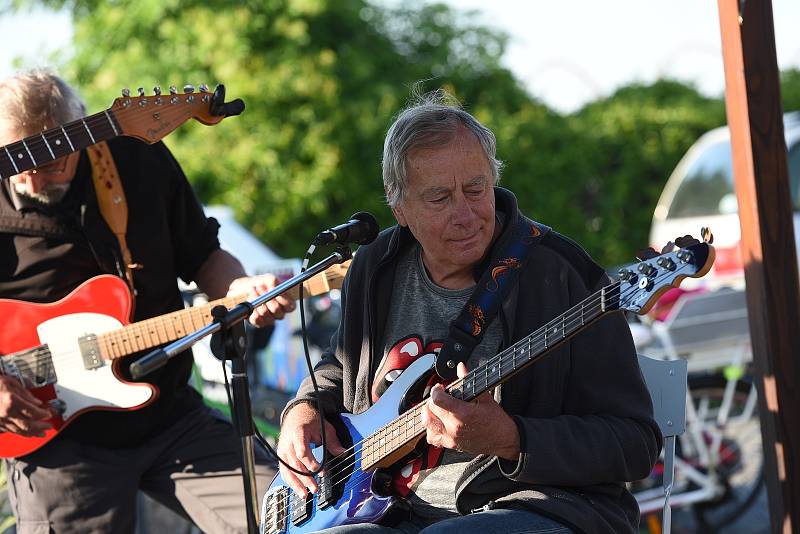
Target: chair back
[666,381]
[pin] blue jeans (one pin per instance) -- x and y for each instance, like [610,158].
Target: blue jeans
[497,521]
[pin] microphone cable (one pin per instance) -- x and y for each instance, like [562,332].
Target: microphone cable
[261,439]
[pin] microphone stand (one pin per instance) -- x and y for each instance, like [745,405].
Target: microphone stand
[229,342]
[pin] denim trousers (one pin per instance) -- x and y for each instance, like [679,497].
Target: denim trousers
[496,521]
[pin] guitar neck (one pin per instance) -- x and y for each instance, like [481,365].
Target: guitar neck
[153,332]
[396,439]
[55,143]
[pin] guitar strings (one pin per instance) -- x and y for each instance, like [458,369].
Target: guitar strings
[576,317]
[42,353]
[156,326]
[532,343]
[341,473]
[100,124]
[540,337]
[95,123]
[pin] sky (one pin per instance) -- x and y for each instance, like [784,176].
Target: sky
[566,52]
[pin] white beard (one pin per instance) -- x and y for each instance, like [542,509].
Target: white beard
[50,193]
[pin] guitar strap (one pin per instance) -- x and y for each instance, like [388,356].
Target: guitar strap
[466,330]
[111,201]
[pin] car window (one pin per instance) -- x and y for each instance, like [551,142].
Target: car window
[707,188]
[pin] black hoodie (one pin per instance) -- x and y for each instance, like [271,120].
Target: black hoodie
[583,411]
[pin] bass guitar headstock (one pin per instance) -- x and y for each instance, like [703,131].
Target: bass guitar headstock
[642,283]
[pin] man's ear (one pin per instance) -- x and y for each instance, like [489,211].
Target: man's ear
[398,214]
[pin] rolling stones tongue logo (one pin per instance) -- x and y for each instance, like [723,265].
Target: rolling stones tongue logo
[400,356]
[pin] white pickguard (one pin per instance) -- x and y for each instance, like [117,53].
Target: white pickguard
[77,386]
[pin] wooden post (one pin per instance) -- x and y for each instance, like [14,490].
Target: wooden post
[755,117]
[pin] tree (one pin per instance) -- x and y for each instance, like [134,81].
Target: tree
[636,137]
[321,81]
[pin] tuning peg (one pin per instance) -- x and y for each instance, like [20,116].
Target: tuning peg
[173,90]
[157,90]
[686,241]
[626,275]
[188,88]
[666,263]
[203,88]
[140,91]
[669,247]
[646,254]
[706,234]
[126,92]
[647,269]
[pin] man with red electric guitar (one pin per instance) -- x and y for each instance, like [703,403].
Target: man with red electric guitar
[67,215]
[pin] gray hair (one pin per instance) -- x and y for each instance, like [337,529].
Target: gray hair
[37,99]
[431,121]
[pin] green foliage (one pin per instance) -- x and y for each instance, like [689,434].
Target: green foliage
[635,137]
[322,80]
[790,90]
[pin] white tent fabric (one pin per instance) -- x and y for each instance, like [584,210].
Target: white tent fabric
[256,257]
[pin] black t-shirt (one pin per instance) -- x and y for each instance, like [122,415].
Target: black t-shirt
[47,251]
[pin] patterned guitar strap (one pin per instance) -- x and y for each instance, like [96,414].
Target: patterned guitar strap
[466,331]
[112,203]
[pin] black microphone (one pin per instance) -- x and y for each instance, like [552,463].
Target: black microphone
[362,228]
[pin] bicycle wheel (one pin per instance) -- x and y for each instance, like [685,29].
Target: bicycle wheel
[740,467]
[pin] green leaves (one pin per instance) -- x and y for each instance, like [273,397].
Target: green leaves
[322,79]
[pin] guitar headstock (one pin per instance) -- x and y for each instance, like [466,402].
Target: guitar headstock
[151,118]
[642,283]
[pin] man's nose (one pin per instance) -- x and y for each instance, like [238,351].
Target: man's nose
[462,210]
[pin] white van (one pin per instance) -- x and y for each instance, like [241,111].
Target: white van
[700,193]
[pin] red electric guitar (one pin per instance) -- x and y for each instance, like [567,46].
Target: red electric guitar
[67,353]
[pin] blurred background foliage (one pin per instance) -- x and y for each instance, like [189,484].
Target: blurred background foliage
[322,80]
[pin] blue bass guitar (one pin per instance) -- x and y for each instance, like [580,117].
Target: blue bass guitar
[356,488]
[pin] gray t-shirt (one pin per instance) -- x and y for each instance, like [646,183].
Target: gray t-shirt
[418,323]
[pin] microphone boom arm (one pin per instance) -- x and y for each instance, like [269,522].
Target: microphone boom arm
[159,357]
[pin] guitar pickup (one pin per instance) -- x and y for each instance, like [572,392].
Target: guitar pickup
[90,351]
[301,507]
[329,492]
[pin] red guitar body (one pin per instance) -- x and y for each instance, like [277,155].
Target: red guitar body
[39,338]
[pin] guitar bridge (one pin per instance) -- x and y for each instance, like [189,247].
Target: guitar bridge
[273,511]
[32,367]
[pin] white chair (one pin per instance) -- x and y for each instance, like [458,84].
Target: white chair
[667,383]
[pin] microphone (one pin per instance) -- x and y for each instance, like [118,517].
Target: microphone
[361,229]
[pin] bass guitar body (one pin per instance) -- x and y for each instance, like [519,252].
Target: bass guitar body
[347,495]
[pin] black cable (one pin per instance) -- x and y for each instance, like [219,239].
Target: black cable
[310,367]
[261,439]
